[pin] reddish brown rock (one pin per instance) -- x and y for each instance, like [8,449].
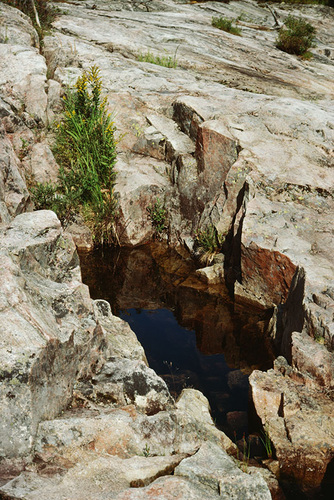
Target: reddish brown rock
[216,151]
[266,274]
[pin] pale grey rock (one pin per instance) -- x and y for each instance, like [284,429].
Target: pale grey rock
[14,196]
[81,234]
[16,28]
[271,480]
[212,275]
[122,341]
[170,487]
[273,199]
[102,477]
[194,407]
[212,467]
[23,76]
[135,382]
[32,91]
[54,104]
[151,143]
[109,478]
[313,359]
[126,432]
[5,109]
[40,164]
[48,334]
[177,143]
[278,133]
[274,215]
[139,184]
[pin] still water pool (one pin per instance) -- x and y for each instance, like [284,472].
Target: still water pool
[193,335]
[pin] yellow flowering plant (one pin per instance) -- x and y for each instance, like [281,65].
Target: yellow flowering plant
[85,149]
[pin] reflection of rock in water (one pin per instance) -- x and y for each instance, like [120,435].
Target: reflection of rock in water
[144,285]
[155,277]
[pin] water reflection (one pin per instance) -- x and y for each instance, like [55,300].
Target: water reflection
[193,336]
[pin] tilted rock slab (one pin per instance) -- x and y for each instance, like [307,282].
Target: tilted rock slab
[48,332]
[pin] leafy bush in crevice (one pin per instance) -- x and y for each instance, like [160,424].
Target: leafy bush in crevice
[208,242]
[225,25]
[45,197]
[158,216]
[296,36]
[85,149]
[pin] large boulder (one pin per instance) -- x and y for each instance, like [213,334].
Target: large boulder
[49,335]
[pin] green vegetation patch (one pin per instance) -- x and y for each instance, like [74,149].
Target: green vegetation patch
[158,216]
[85,149]
[161,60]
[209,242]
[225,25]
[296,37]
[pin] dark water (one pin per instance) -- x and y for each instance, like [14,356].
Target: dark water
[192,338]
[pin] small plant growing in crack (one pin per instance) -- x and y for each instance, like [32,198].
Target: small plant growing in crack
[146,451]
[209,242]
[24,148]
[244,459]
[225,25]
[158,216]
[167,61]
[267,442]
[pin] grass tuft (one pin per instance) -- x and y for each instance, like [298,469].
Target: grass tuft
[225,25]
[161,60]
[209,242]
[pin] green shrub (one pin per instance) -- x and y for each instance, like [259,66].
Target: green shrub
[296,37]
[46,197]
[166,61]
[225,25]
[158,216]
[85,149]
[209,242]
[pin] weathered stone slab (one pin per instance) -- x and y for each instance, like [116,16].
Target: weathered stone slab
[48,336]
[139,184]
[212,467]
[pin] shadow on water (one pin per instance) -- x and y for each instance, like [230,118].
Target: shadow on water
[192,336]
